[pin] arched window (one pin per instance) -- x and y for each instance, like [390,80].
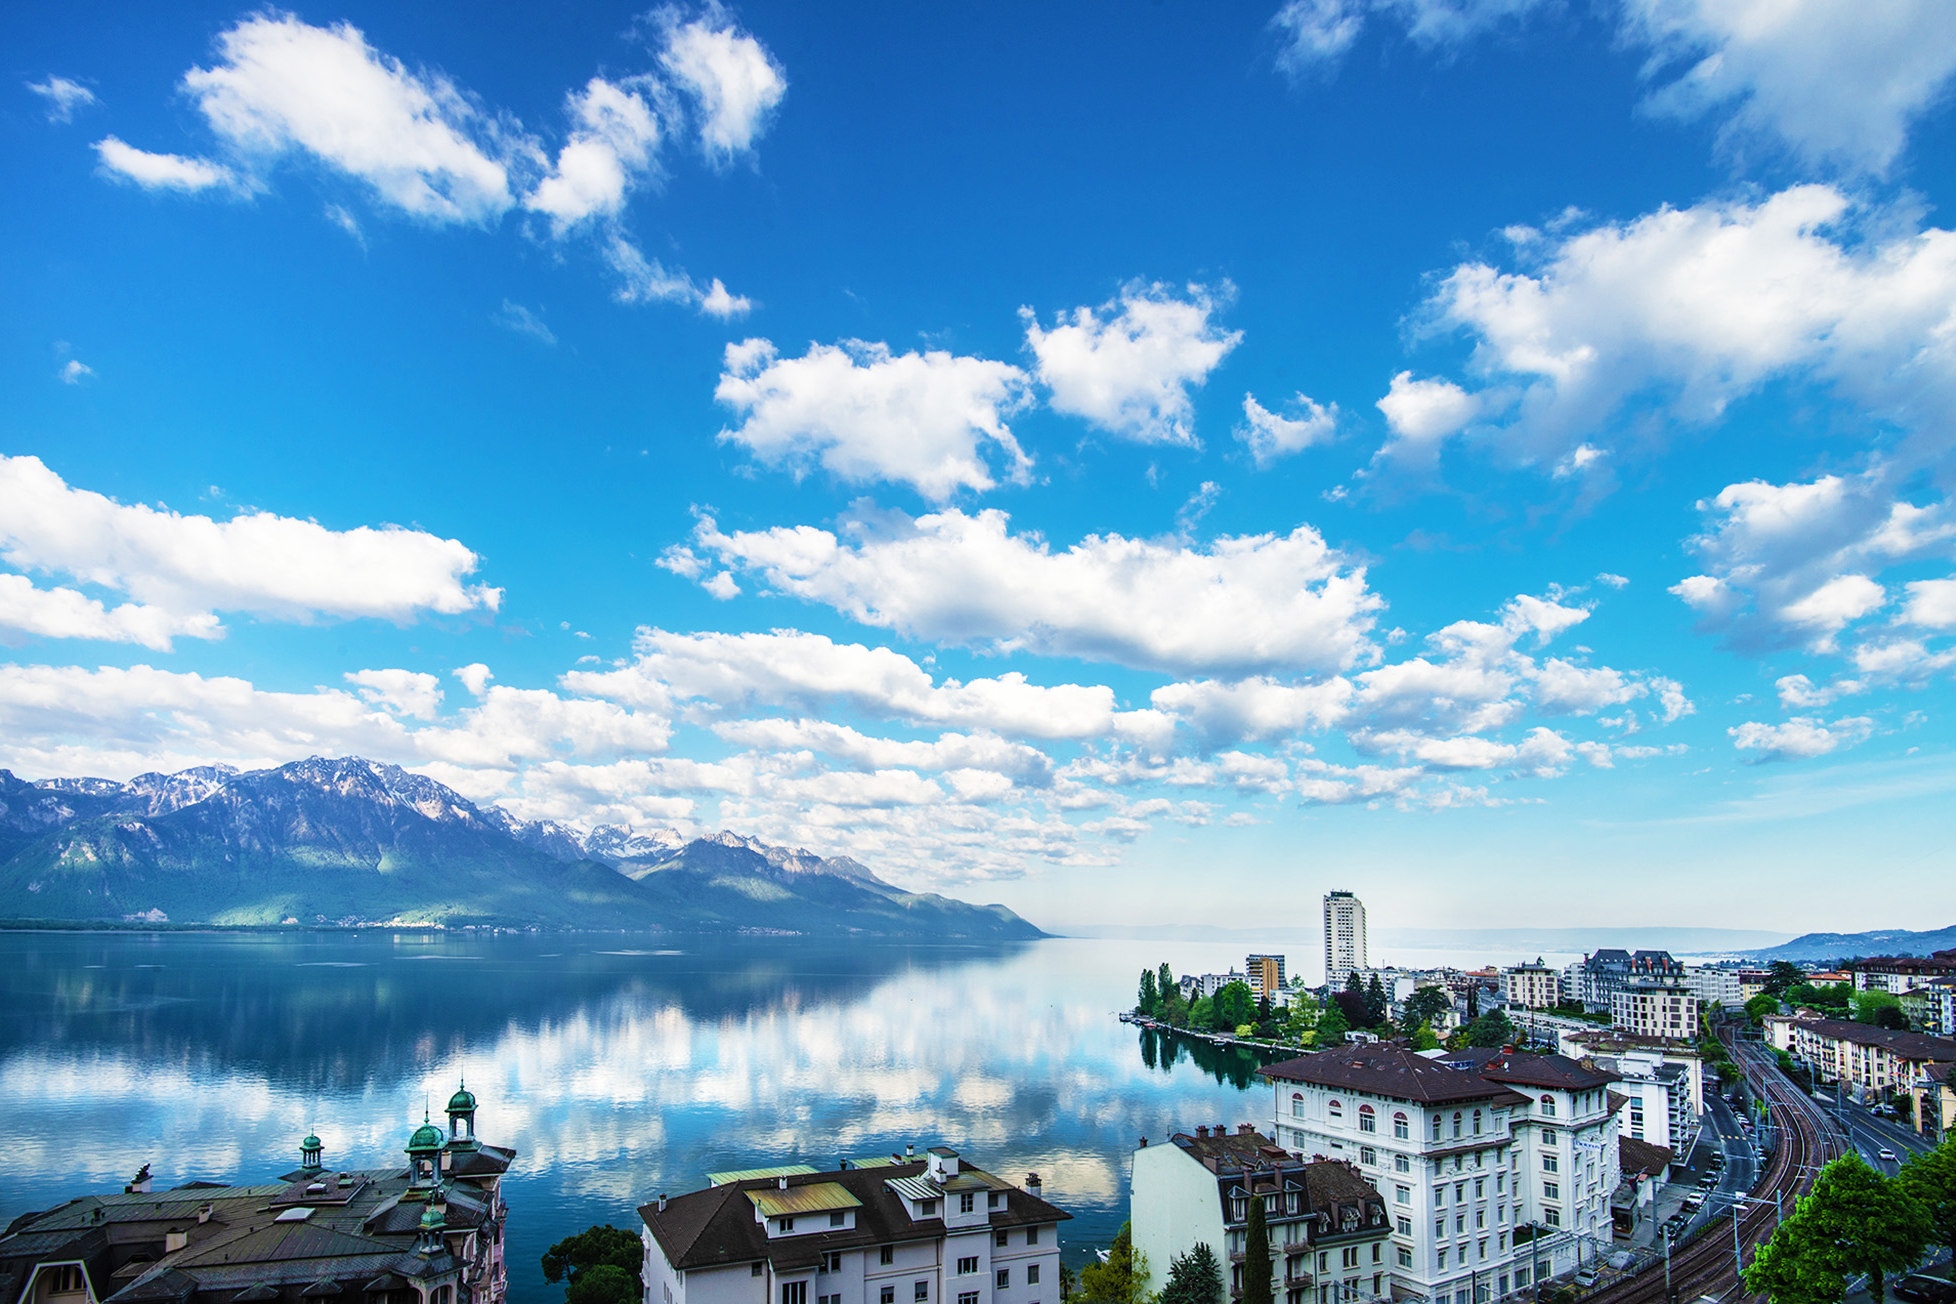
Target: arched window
[1456,1124]
[1477,1122]
[1436,1127]
[1367,1120]
[1399,1127]
[1297,1104]
[1548,1106]
[1335,1109]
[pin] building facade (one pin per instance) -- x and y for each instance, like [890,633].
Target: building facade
[901,1229]
[1715,986]
[1328,1227]
[1655,1007]
[427,1233]
[1897,974]
[1531,987]
[1596,978]
[1266,974]
[1876,1061]
[1344,938]
[1931,1007]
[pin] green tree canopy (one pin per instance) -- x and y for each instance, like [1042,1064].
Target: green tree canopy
[1427,1004]
[1868,1005]
[1854,1222]
[604,1283]
[1931,1179]
[1760,1006]
[1235,1006]
[1194,1278]
[1375,1002]
[1332,1026]
[1149,996]
[591,1248]
[1123,1279]
[1780,975]
[1491,1029]
[1424,1038]
[1257,1268]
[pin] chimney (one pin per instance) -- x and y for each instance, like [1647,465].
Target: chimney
[910,1150]
[782,1182]
[1032,1183]
[662,1202]
[1244,1129]
[175,1239]
[1144,1144]
[204,1214]
[1202,1131]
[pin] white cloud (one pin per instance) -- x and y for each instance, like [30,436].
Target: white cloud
[403,692]
[732,78]
[1798,693]
[1931,603]
[74,371]
[1421,414]
[647,280]
[1270,436]
[812,672]
[863,413]
[1318,33]
[1016,762]
[1799,738]
[515,317]
[1562,687]
[63,95]
[165,171]
[258,562]
[1836,83]
[1693,308]
[1792,562]
[1128,367]
[475,677]
[1242,605]
[30,612]
[1254,709]
[415,140]
[615,141]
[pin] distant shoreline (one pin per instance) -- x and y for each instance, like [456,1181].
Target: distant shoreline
[488,930]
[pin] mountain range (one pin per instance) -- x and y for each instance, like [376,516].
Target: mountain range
[1845,946]
[352,841]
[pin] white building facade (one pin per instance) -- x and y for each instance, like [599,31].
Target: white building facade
[1531,987]
[1656,1008]
[1344,937]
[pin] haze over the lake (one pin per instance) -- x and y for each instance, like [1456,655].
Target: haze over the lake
[1137,464]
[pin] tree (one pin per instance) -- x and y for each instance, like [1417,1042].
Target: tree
[1780,975]
[1491,1029]
[1854,1222]
[1150,995]
[1354,984]
[1425,1039]
[1375,1002]
[1256,1257]
[1194,1278]
[1332,1026]
[1868,1005]
[1474,1002]
[1123,1279]
[1427,1004]
[1931,1178]
[1235,1006]
[1892,1018]
[602,1263]
[1165,980]
[1760,1006]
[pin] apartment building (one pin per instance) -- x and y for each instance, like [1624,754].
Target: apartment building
[1663,1078]
[1898,974]
[1531,987]
[1344,937]
[1597,977]
[1266,974]
[1715,986]
[1436,1142]
[1932,1006]
[1933,1097]
[1328,1227]
[1877,1061]
[1655,1007]
[884,1230]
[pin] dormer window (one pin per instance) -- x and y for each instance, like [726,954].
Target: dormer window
[967,1202]
[927,1208]
[1239,1209]
[785,1225]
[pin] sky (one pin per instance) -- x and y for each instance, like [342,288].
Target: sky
[1136,463]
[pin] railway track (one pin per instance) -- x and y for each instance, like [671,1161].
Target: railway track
[1705,1266]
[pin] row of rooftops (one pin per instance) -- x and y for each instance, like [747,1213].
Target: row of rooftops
[1332,1193]
[1398,1072]
[884,1201]
[1915,1046]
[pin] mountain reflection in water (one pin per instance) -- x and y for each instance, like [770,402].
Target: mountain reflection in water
[619,1067]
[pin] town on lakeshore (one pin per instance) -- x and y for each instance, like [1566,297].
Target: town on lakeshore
[1628,1127]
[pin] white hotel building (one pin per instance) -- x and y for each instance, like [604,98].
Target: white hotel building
[1466,1149]
[895,1230]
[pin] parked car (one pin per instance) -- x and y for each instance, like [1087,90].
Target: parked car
[1924,1289]
[1886,1156]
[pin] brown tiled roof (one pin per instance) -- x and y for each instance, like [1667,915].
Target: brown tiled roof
[716,1226]
[1556,1072]
[1636,1156]
[1909,1045]
[1388,1070]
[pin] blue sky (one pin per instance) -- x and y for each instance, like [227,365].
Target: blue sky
[1134,463]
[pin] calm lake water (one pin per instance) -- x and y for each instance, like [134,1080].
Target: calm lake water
[618,1067]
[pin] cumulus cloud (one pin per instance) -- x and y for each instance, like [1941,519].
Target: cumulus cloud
[1316,34]
[1014,761]
[257,562]
[735,83]
[811,672]
[164,171]
[1128,367]
[403,692]
[413,139]
[1690,309]
[74,371]
[614,142]
[647,280]
[1793,563]
[1241,605]
[30,612]
[1421,414]
[63,95]
[1932,603]
[1835,83]
[1270,436]
[863,413]
[1800,738]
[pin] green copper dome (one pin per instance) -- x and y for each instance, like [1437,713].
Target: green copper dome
[426,1137]
[310,1143]
[432,1221]
[462,1102]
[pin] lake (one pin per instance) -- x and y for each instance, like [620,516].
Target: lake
[619,1067]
